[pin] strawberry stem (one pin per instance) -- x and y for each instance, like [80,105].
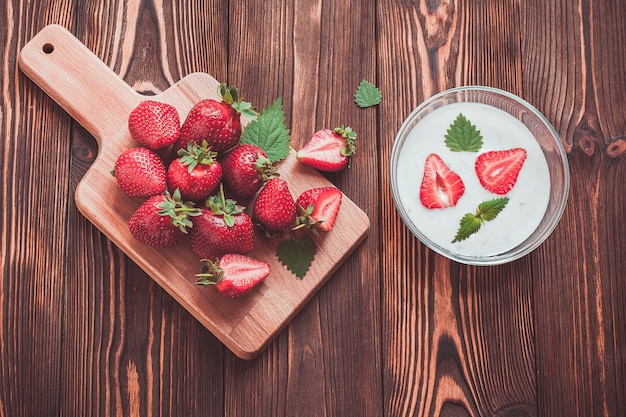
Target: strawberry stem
[225,207]
[178,211]
[349,136]
[305,221]
[210,273]
[231,96]
[196,154]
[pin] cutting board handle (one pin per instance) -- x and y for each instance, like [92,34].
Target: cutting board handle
[84,86]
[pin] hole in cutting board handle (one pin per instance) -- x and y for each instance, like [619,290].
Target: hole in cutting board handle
[48,48]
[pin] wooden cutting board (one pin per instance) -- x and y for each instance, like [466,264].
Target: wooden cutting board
[100,101]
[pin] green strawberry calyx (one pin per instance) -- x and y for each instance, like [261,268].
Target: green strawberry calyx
[266,168]
[197,154]
[225,207]
[305,220]
[349,136]
[178,211]
[210,273]
[230,95]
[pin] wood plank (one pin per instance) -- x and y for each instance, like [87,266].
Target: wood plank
[575,76]
[139,350]
[100,101]
[459,339]
[33,207]
[314,54]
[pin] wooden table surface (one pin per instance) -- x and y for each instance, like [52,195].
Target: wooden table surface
[398,330]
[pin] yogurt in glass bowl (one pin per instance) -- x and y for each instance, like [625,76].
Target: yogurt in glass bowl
[479,205]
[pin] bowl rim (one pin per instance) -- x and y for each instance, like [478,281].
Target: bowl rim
[523,248]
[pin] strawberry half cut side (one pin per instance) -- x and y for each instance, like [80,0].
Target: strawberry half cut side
[329,150]
[441,187]
[497,171]
[234,274]
[319,208]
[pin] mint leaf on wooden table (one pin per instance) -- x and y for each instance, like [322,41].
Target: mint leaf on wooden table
[296,254]
[487,211]
[367,94]
[463,136]
[269,132]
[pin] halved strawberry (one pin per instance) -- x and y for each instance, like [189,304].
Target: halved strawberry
[497,171]
[233,274]
[319,208]
[441,187]
[328,150]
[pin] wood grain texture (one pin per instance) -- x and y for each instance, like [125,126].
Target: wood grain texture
[460,340]
[584,99]
[397,330]
[101,101]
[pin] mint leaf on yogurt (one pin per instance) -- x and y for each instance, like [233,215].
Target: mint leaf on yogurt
[462,136]
[487,211]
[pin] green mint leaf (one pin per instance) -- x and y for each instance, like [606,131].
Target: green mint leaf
[269,132]
[245,109]
[468,225]
[367,94]
[487,211]
[463,136]
[296,255]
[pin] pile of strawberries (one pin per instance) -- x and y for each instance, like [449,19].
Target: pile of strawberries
[185,172]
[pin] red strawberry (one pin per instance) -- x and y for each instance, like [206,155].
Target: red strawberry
[222,227]
[328,150]
[245,169]
[140,173]
[497,171]
[234,274]
[218,123]
[162,220]
[319,207]
[441,187]
[274,208]
[196,172]
[154,125]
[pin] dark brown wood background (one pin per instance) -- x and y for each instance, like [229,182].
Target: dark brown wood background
[398,330]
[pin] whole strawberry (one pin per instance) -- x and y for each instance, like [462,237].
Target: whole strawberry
[319,208]
[140,173]
[154,125]
[233,275]
[196,172]
[222,227]
[217,122]
[162,220]
[274,208]
[329,150]
[245,169]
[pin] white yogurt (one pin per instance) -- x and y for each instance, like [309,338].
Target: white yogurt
[528,199]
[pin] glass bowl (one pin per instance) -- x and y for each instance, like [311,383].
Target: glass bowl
[535,203]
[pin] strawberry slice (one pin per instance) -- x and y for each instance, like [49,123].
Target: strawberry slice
[319,207]
[234,274]
[497,171]
[329,150]
[441,187]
